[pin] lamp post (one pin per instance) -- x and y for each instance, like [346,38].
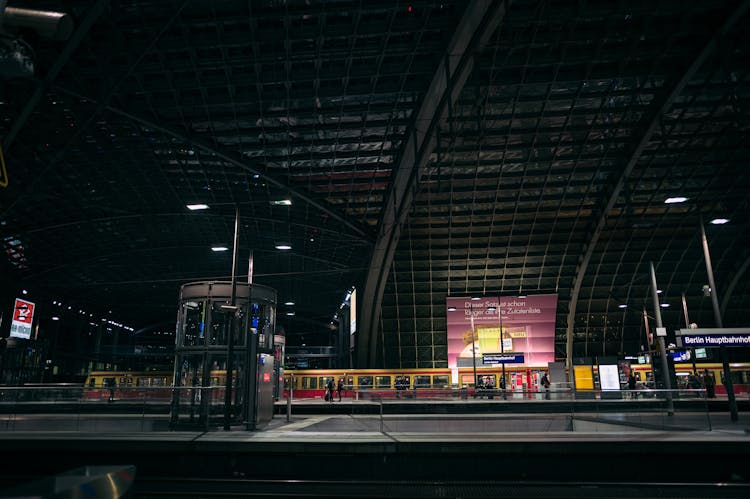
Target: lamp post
[687,326]
[473,347]
[502,347]
[232,313]
[660,342]
[719,324]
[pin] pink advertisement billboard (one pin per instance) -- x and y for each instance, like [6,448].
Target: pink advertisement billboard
[525,325]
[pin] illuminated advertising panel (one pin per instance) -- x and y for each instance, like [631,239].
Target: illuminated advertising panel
[353,312]
[584,376]
[609,377]
[23,316]
[524,324]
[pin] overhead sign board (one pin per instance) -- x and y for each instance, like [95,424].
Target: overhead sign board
[713,337]
[502,358]
[23,316]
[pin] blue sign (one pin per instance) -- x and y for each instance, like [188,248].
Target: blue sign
[681,356]
[718,340]
[714,337]
[502,358]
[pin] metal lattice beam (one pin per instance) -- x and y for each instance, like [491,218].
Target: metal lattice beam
[479,21]
[653,125]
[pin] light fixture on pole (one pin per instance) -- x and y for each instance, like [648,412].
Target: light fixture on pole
[502,347]
[728,384]
[232,324]
[473,347]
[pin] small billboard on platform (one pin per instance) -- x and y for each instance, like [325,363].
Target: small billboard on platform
[23,317]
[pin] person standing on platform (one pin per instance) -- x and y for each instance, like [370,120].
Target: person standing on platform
[340,387]
[546,385]
[709,383]
[631,385]
[329,390]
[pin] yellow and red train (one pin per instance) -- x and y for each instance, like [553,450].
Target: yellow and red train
[311,383]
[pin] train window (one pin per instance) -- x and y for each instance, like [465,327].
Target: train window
[738,377]
[422,381]
[440,381]
[92,382]
[382,381]
[364,382]
[488,380]
[324,381]
[309,383]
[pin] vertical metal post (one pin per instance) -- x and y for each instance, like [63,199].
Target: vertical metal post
[719,323]
[473,348]
[230,339]
[502,346]
[250,265]
[660,342]
[687,326]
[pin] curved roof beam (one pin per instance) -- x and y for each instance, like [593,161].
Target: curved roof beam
[654,122]
[732,284]
[478,23]
[234,159]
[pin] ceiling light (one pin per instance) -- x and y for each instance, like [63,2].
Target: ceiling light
[719,221]
[289,303]
[678,199]
[290,313]
[658,291]
[475,298]
[24,292]
[282,202]
[193,207]
[665,305]
[622,305]
[55,318]
[219,248]
[283,246]
[451,309]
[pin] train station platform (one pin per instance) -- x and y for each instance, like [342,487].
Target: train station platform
[345,450]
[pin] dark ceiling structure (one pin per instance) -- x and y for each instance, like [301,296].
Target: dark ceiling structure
[429,149]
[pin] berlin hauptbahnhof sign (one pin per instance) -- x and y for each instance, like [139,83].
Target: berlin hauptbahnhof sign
[713,337]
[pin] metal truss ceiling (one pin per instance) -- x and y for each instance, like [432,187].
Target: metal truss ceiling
[565,136]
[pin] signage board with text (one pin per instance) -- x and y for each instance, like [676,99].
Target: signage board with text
[23,317]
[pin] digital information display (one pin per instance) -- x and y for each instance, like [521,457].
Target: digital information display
[609,377]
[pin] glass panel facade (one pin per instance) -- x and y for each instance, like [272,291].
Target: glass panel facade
[194,313]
